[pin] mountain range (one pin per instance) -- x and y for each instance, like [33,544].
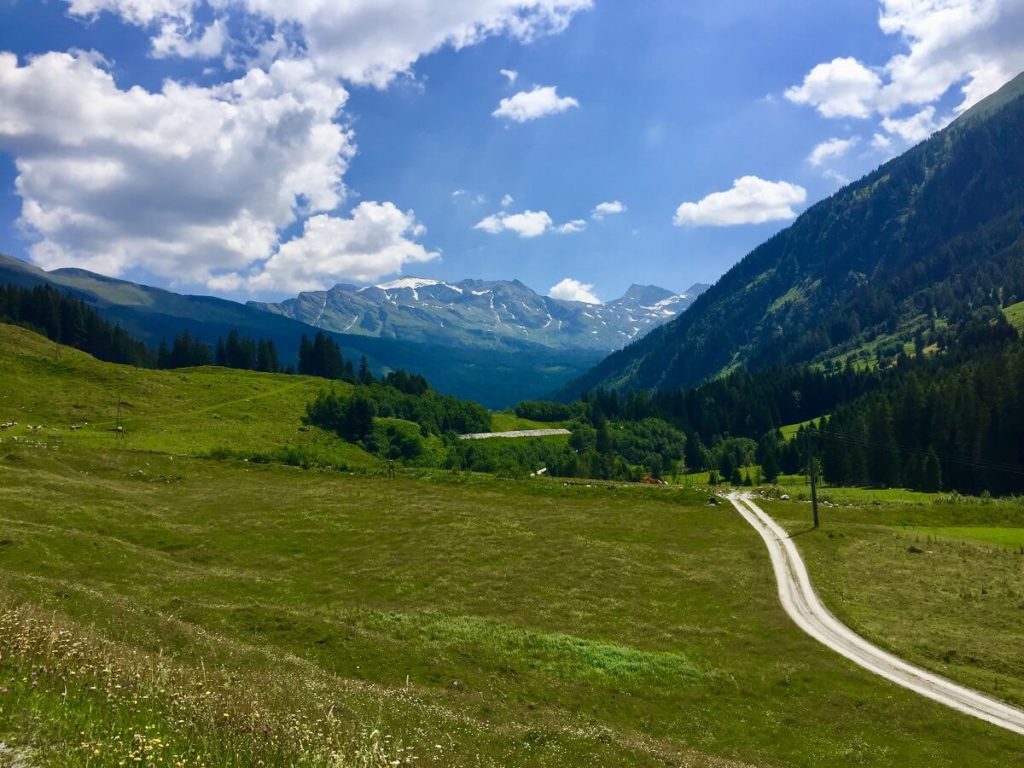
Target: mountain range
[495,358]
[485,314]
[887,263]
[931,239]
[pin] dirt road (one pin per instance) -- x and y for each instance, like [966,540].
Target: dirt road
[804,606]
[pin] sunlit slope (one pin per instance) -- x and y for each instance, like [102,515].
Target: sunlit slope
[74,398]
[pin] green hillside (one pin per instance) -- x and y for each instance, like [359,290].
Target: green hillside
[496,378]
[1015,315]
[931,237]
[193,412]
[163,606]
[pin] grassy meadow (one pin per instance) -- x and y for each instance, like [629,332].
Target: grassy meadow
[938,581]
[186,596]
[188,412]
[1015,314]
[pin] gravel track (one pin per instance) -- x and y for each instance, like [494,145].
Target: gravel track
[804,606]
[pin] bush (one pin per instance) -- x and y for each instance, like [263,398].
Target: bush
[546,411]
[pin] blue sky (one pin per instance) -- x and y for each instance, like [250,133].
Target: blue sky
[243,148]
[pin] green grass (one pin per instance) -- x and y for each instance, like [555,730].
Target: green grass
[1015,315]
[940,583]
[619,626]
[191,412]
[1007,537]
[506,421]
[799,488]
[200,611]
[789,431]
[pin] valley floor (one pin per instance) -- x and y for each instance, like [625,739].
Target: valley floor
[181,596]
[244,613]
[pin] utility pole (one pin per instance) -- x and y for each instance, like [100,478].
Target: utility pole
[814,483]
[119,428]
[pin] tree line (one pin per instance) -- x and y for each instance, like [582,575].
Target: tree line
[356,414]
[950,420]
[69,321]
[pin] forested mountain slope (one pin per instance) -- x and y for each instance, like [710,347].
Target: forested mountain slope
[932,235]
[496,378]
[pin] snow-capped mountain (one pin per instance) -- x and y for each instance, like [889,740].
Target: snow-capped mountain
[484,314]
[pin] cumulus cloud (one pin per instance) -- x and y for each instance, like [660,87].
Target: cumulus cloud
[573,290]
[507,201]
[841,88]
[973,45]
[366,41]
[139,12]
[613,208]
[750,201]
[572,227]
[181,41]
[881,142]
[833,149]
[378,239]
[526,224]
[917,127]
[532,105]
[197,184]
[186,182]
[509,74]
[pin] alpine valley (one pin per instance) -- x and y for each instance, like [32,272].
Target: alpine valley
[493,342]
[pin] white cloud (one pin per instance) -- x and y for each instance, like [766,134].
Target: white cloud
[531,105]
[509,74]
[178,40]
[459,193]
[839,178]
[526,224]
[507,201]
[915,128]
[881,142]
[574,290]
[832,149]
[197,184]
[572,227]
[367,42]
[750,201]
[186,182]
[612,208]
[377,240]
[140,12]
[973,45]
[841,88]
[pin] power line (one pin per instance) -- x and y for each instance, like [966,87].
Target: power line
[945,456]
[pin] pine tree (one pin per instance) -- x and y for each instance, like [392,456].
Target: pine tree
[883,458]
[358,419]
[306,366]
[932,475]
[365,377]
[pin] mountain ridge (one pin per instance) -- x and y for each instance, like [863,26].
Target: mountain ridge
[484,313]
[496,378]
[930,235]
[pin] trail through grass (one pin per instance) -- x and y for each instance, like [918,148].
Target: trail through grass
[941,584]
[157,601]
